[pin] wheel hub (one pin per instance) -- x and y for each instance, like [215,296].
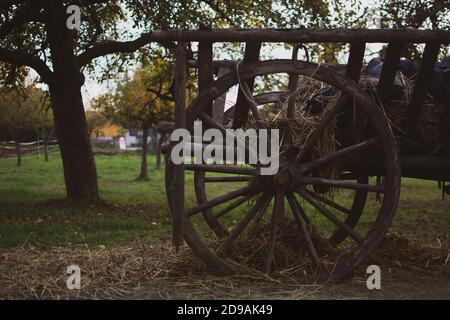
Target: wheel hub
[282,178]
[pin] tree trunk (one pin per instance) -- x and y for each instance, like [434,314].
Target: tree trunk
[158,151]
[70,121]
[19,153]
[144,169]
[76,152]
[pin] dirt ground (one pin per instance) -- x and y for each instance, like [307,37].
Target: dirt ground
[146,271]
[392,288]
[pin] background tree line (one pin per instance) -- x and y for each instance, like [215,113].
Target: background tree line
[25,115]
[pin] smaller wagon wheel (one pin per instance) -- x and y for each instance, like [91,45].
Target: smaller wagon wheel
[283,211]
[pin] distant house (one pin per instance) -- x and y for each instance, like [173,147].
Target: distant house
[124,139]
[132,140]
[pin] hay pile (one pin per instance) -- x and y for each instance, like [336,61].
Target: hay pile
[158,272]
[105,273]
[433,126]
[401,255]
[435,123]
[291,259]
[305,121]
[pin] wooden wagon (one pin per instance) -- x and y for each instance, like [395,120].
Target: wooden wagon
[317,215]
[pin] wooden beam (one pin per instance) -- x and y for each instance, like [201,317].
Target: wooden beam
[421,85]
[303,35]
[355,60]
[219,104]
[292,87]
[251,54]
[389,72]
[205,69]
[217,64]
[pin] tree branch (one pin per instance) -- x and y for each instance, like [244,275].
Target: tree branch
[165,96]
[111,47]
[24,59]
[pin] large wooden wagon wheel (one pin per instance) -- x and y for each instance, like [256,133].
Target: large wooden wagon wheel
[256,236]
[352,213]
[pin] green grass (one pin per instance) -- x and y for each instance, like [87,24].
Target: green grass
[34,211]
[33,208]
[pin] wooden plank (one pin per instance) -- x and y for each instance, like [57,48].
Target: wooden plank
[205,69]
[355,60]
[217,64]
[421,85]
[292,86]
[251,54]
[176,185]
[352,71]
[389,71]
[219,104]
[303,35]
[425,162]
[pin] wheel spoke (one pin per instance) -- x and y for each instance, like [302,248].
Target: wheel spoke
[304,216]
[253,105]
[321,126]
[277,216]
[221,169]
[212,123]
[248,190]
[342,225]
[229,179]
[260,215]
[298,212]
[233,205]
[224,248]
[339,154]
[329,202]
[344,184]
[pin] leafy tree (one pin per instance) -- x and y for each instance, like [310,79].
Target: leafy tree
[141,102]
[23,116]
[34,34]
[415,14]
[45,126]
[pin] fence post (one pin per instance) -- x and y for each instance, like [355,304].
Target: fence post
[177,184]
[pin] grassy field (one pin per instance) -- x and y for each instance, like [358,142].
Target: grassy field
[33,208]
[34,211]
